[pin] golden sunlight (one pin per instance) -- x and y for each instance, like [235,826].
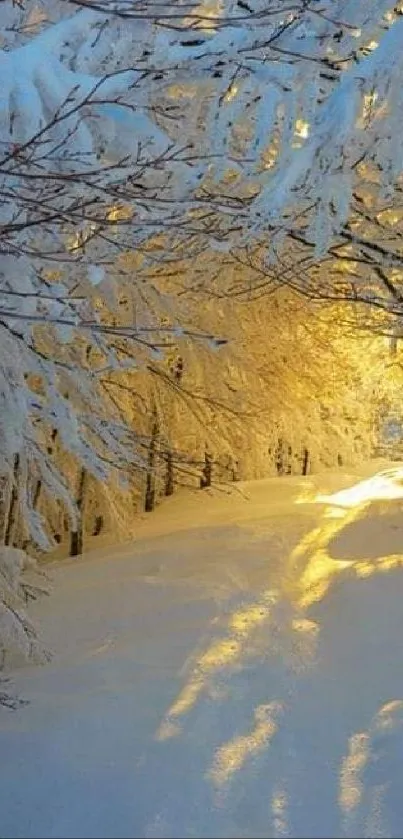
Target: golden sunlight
[306,579]
[231,756]
[312,567]
[363,751]
[221,653]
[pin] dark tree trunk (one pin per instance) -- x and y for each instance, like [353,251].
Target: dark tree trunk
[37,493]
[169,476]
[11,514]
[207,471]
[279,457]
[98,525]
[77,536]
[76,541]
[305,462]
[3,507]
[38,486]
[149,500]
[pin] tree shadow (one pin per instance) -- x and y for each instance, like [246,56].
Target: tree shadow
[378,532]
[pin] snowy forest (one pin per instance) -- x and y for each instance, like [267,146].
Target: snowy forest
[200,257]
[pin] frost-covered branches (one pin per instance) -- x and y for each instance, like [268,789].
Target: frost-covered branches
[20,581]
[284,100]
[225,120]
[295,96]
[125,126]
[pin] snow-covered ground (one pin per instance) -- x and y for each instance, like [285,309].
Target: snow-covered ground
[236,671]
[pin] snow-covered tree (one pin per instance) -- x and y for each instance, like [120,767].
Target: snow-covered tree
[127,127]
[20,581]
[255,128]
[227,119]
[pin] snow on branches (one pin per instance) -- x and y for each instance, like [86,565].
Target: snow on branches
[125,126]
[132,127]
[20,581]
[273,97]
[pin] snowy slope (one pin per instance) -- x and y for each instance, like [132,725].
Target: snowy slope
[236,671]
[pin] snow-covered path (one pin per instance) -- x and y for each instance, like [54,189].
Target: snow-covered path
[237,671]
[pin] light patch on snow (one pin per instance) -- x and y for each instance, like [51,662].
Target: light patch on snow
[220,654]
[279,803]
[388,484]
[351,786]
[231,756]
[367,751]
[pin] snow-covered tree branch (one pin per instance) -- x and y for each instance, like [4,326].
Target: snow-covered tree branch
[207,125]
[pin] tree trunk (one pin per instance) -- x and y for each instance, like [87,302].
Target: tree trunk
[4,492]
[289,461]
[169,476]
[279,457]
[11,513]
[37,494]
[305,462]
[98,525]
[38,486]
[149,500]
[235,470]
[207,471]
[77,536]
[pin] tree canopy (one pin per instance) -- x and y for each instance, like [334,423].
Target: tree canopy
[158,159]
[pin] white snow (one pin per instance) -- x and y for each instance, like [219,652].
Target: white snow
[235,671]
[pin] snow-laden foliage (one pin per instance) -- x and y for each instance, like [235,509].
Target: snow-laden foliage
[124,126]
[20,581]
[289,97]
